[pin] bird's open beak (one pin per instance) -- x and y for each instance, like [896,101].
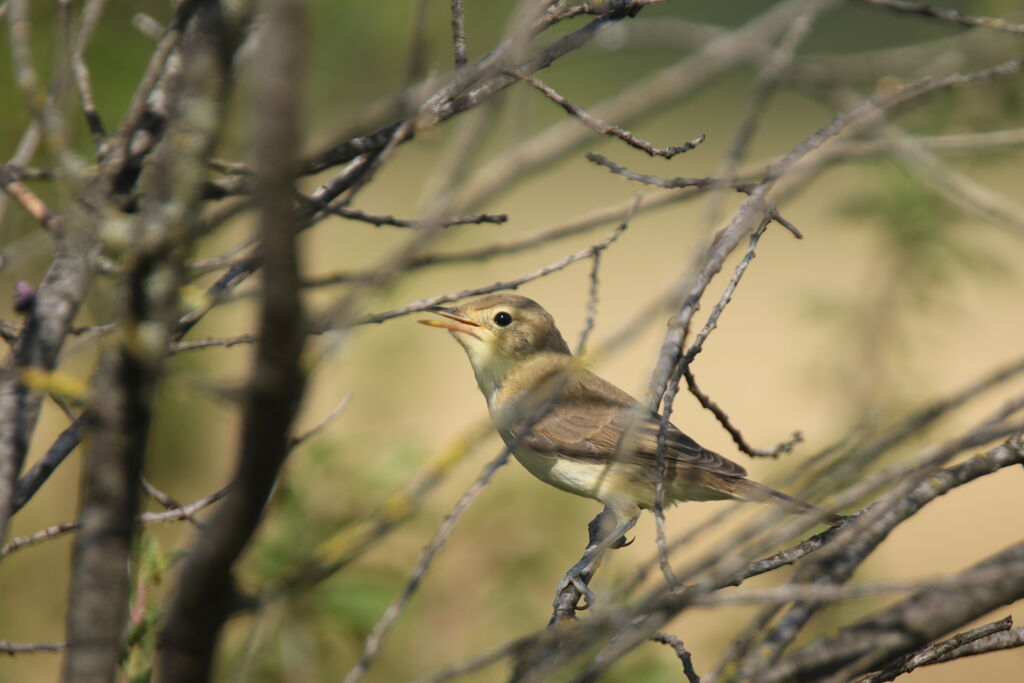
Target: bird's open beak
[454,323]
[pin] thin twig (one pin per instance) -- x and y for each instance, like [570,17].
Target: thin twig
[167,501]
[373,642]
[764,86]
[698,345]
[577,226]
[154,70]
[998,641]
[80,70]
[588,321]
[174,515]
[935,652]
[29,201]
[352,541]
[459,33]
[696,183]
[9,648]
[948,15]
[213,342]
[378,221]
[423,304]
[319,426]
[820,593]
[684,656]
[604,128]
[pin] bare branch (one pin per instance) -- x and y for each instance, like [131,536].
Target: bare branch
[32,480]
[206,592]
[29,201]
[212,342]
[120,408]
[743,222]
[319,426]
[580,225]
[909,624]
[696,183]
[378,221]
[423,304]
[459,33]
[174,515]
[605,129]
[948,15]
[684,656]
[83,82]
[396,509]
[9,648]
[698,346]
[374,640]
[999,641]
[935,652]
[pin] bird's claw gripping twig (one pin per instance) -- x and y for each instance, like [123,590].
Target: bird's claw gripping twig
[575,578]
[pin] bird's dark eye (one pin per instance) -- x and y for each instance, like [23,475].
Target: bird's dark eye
[502,319]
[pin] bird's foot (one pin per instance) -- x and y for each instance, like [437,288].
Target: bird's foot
[577,577]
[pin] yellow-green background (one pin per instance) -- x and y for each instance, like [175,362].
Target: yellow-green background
[788,353]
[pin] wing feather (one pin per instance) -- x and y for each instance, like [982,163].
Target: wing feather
[591,419]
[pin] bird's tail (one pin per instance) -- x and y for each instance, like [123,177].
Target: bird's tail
[759,493]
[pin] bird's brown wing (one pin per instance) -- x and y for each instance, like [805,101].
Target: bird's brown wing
[591,418]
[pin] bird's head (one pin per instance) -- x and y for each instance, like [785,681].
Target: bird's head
[499,331]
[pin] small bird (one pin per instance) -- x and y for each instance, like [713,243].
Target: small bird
[579,432]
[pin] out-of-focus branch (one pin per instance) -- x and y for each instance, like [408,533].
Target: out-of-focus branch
[603,128]
[172,515]
[78,40]
[625,629]
[685,658]
[378,221]
[934,653]
[117,159]
[9,648]
[563,262]
[585,223]
[487,78]
[765,83]
[459,33]
[948,15]
[33,479]
[59,295]
[863,535]
[351,542]
[698,346]
[54,306]
[206,592]
[998,641]
[29,200]
[710,262]
[670,84]
[120,406]
[374,640]
[907,625]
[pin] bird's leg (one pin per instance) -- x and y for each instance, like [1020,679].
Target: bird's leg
[600,541]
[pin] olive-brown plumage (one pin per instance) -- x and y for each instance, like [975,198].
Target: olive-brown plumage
[588,437]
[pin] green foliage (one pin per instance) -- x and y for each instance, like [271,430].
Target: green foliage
[140,641]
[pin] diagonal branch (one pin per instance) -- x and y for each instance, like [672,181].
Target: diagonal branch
[206,591]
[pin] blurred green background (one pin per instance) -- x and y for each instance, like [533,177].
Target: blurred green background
[894,296]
